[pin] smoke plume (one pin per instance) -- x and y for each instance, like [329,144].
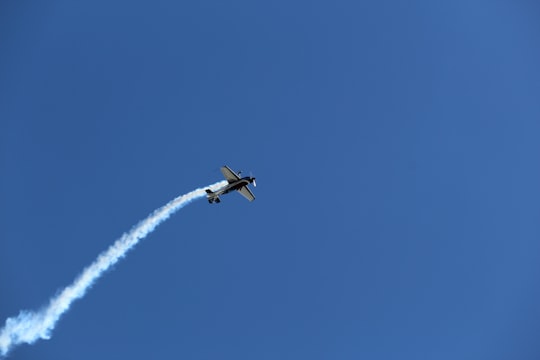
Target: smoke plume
[30,326]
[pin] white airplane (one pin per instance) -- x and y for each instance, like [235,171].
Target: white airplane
[235,183]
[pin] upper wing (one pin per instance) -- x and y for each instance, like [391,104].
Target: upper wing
[229,174]
[244,190]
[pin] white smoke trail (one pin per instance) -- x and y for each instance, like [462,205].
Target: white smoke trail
[30,326]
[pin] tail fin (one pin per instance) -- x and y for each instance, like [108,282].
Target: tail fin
[209,196]
[212,197]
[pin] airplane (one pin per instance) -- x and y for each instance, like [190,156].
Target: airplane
[235,183]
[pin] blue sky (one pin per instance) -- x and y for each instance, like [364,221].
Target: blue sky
[395,147]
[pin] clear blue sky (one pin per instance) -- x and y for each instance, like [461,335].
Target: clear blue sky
[396,147]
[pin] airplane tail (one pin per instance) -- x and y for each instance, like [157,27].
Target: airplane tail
[212,197]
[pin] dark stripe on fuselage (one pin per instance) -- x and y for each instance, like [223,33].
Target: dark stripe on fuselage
[235,185]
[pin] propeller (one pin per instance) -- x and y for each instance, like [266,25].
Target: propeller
[251,176]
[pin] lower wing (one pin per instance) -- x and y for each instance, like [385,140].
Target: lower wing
[244,190]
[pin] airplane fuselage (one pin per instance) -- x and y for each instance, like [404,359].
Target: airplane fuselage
[235,185]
